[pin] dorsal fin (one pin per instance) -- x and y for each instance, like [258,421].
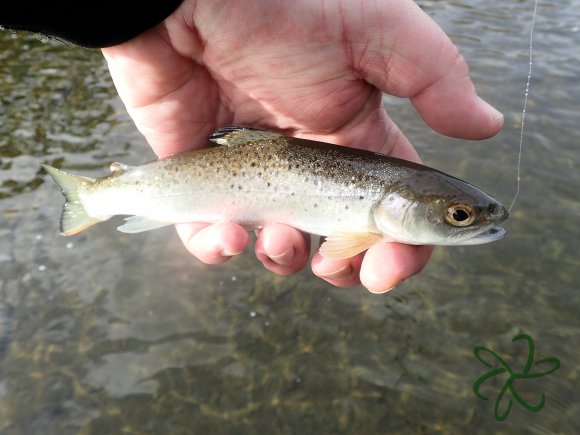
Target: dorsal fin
[233,135]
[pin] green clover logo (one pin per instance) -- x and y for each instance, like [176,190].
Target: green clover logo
[513,376]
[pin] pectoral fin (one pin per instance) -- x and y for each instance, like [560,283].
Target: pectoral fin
[341,245]
[138,224]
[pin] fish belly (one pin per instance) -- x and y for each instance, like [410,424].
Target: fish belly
[315,212]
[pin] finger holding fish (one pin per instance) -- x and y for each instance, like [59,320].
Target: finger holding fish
[386,265]
[380,269]
[213,243]
[338,272]
[282,249]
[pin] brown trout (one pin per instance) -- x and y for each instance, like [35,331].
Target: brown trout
[353,197]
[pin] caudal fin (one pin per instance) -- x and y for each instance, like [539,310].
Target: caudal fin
[74,217]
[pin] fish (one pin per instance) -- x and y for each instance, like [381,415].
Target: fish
[352,197]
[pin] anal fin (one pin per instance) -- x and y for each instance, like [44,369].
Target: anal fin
[340,245]
[139,224]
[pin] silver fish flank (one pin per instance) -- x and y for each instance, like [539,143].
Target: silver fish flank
[353,197]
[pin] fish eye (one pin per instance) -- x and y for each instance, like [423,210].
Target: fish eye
[460,215]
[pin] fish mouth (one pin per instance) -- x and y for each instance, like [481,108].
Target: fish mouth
[489,235]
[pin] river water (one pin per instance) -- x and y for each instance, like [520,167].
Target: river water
[111,333]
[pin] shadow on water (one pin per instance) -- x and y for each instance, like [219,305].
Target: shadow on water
[110,333]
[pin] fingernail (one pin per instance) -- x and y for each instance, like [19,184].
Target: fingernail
[343,272]
[227,253]
[285,258]
[378,292]
[495,114]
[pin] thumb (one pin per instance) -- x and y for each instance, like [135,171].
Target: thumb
[409,55]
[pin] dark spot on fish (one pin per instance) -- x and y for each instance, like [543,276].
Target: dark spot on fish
[346,207]
[269,184]
[234,173]
[252,164]
[232,186]
[315,205]
[292,194]
[239,187]
[361,197]
[259,174]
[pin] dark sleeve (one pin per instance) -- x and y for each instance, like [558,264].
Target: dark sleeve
[90,23]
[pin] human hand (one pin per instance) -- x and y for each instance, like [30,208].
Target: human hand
[313,69]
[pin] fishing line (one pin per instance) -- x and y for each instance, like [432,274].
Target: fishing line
[526,93]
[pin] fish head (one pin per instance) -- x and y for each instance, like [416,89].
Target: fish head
[437,209]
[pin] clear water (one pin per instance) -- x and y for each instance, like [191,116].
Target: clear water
[111,333]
